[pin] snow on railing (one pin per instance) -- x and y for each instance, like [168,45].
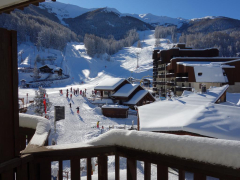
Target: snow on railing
[208,150]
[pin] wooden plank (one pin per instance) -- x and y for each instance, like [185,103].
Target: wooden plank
[162,172]
[181,174]
[89,169]
[117,175]
[6,98]
[217,171]
[198,176]
[131,169]
[60,173]
[102,168]
[18,173]
[31,170]
[45,170]
[75,169]
[147,171]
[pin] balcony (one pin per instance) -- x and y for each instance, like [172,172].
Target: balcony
[181,79]
[170,75]
[161,83]
[155,69]
[154,89]
[183,88]
[161,75]
[161,69]
[148,147]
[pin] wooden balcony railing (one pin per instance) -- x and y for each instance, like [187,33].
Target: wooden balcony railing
[35,164]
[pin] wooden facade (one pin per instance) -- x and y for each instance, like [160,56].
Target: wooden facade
[115,112]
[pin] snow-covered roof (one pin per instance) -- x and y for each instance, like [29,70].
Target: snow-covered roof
[213,151]
[137,97]
[208,71]
[125,90]
[41,125]
[194,112]
[109,84]
[115,106]
[55,68]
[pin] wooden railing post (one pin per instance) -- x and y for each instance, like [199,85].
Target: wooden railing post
[181,174]
[45,169]
[102,168]
[162,172]
[198,176]
[147,171]
[60,173]
[89,169]
[117,177]
[75,169]
[131,169]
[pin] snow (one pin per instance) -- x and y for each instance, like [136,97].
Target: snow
[41,125]
[159,20]
[115,106]
[109,84]
[193,112]
[137,97]
[125,90]
[207,150]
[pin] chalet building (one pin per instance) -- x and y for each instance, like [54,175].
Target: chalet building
[183,68]
[122,92]
[195,114]
[51,69]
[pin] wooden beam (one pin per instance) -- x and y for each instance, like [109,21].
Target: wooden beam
[75,168]
[147,171]
[117,175]
[89,169]
[131,169]
[162,172]
[102,168]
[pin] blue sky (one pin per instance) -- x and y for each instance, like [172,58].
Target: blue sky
[173,8]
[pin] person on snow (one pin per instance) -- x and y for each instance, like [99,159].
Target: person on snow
[71,89]
[70,105]
[71,96]
[77,110]
[98,124]
[80,92]
[67,95]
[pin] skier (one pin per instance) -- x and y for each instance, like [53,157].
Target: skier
[80,92]
[85,91]
[71,89]
[70,105]
[70,96]
[67,95]
[77,110]
[98,124]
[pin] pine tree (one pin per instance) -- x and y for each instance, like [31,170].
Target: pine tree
[157,42]
[36,73]
[38,101]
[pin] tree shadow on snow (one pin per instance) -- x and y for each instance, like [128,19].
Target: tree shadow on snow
[71,111]
[80,117]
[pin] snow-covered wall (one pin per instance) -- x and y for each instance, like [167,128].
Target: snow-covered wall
[213,151]
[41,125]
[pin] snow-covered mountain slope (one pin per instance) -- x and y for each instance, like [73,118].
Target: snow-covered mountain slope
[159,20]
[63,10]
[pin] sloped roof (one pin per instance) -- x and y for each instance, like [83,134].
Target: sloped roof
[55,68]
[214,70]
[194,112]
[109,84]
[137,97]
[125,90]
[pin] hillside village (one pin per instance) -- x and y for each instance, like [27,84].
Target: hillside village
[140,104]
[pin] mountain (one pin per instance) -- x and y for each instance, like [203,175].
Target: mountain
[160,20]
[211,24]
[104,22]
[62,10]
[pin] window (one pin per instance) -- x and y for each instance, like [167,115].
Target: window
[189,84]
[199,74]
[105,92]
